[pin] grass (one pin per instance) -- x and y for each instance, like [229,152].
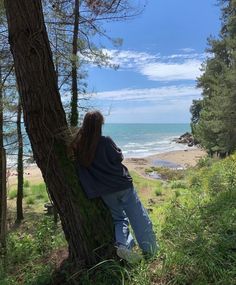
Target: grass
[28,251]
[158,192]
[181,184]
[33,195]
[12,194]
[26,184]
[193,214]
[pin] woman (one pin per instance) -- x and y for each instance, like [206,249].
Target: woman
[103,175]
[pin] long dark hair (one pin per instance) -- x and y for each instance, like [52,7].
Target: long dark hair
[85,143]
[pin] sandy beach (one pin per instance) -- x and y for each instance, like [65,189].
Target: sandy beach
[184,158]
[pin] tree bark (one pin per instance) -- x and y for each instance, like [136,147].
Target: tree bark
[74,116]
[3,193]
[86,223]
[20,168]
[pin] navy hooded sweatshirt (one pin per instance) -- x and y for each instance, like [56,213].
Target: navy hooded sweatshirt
[106,174]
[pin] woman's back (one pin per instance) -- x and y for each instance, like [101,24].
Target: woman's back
[106,174]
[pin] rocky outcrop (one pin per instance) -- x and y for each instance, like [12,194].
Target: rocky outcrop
[186,138]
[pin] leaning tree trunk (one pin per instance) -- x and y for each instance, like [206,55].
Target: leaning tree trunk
[86,224]
[20,167]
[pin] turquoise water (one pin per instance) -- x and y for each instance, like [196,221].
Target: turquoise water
[139,140]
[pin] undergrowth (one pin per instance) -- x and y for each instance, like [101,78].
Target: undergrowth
[193,213]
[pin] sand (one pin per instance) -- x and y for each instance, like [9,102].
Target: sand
[184,158]
[31,173]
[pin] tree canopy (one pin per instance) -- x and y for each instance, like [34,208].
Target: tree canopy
[213,117]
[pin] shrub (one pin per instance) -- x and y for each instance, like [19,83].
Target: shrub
[168,173]
[12,194]
[21,247]
[216,181]
[195,181]
[177,193]
[39,191]
[30,200]
[205,162]
[26,184]
[158,192]
[178,184]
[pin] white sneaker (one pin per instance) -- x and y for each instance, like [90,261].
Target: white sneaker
[128,255]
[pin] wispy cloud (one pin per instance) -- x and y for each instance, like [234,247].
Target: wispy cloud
[166,94]
[187,50]
[188,70]
[157,67]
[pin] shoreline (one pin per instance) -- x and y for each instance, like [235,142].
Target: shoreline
[183,158]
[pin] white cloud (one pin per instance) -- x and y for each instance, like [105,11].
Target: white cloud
[187,50]
[165,94]
[156,67]
[133,58]
[187,70]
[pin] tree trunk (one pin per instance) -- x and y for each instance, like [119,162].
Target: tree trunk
[74,62]
[3,194]
[20,168]
[3,197]
[86,223]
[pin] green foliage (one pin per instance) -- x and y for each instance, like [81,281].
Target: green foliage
[105,272]
[204,161]
[39,191]
[12,194]
[213,117]
[45,236]
[178,184]
[198,237]
[167,173]
[158,192]
[30,200]
[195,218]
[26,184]
[27,253]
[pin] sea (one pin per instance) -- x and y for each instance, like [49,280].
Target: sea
[140,140]
[135,140]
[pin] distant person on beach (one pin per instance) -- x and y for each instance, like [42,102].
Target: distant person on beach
[102,174]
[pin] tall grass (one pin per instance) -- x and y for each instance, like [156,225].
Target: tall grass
[199,235]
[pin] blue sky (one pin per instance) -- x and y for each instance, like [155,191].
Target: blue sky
[159,61]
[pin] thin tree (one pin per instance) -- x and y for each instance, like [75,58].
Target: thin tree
[3,198]
[74,115]
[20,167]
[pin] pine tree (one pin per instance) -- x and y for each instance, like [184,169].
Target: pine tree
[214,127]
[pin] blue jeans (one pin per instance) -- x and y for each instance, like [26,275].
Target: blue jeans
[126,208]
